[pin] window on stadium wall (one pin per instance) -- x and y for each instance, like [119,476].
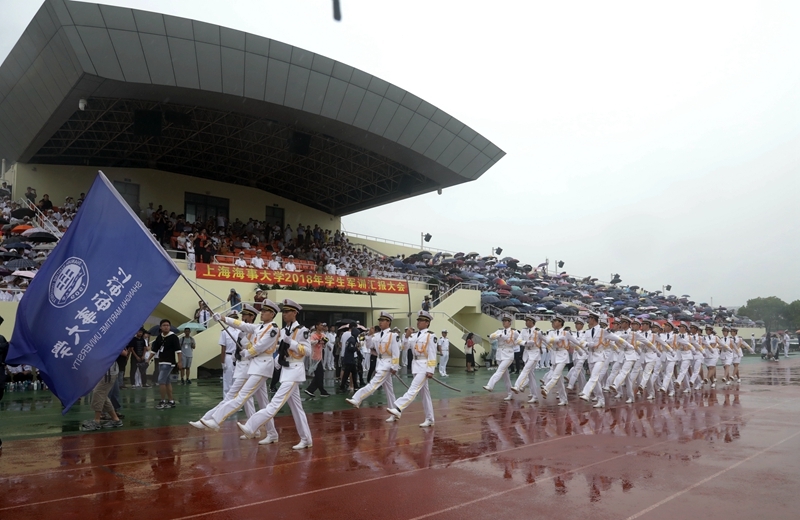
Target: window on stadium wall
[274,215]
[199,208]
[310,318]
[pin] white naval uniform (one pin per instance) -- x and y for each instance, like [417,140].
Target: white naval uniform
[507,339]
[289,389]
[699,356]
[558,345]
[671,356]
[387,345]
[597,343]
[579,356]
[726,350]
[530,339]
[631,357]
[327,355]
[683,342]
[257,262]
[262,343]
[712,348]
[230,349]
[649,358]
[424,348]
[444,347]
[240,262]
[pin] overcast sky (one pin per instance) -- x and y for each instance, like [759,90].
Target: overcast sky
[660,141]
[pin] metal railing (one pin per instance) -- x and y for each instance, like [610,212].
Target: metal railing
[40,218]
[349,234]
[461,285]
[476,337]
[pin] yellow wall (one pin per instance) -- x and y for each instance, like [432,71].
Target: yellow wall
[162,188]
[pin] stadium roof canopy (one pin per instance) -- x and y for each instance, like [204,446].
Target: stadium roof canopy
[193,98]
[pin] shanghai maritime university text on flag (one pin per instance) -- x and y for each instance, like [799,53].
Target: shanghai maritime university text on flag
[99,284]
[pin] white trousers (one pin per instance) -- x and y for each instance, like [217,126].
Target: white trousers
[382,378]
[237,384]
[419,385]
[576,373]
[683,373]
[327,359]
[443,359]
[612,376]
[227,374]
[646,382]
[287,391]
[697,363]
[666,383]
[557,380]
[253,386]
[623,373]
[502,371]
[593,384]
[528,376]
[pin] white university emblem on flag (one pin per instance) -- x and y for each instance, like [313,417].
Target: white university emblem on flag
[69,282]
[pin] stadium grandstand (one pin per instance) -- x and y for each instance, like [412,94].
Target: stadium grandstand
[242,154]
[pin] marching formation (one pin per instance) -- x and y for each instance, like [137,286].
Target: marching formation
[630,358]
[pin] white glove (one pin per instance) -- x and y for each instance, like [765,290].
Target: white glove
[245,354]
[217,317]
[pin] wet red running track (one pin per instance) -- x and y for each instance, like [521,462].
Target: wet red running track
[730,453]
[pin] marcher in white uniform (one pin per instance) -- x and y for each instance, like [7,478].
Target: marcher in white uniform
[506,339]
[726,355]
[424,349]
[227,343]
[672,356]
[597,342]
[579,356]
[649,358]
[443,345]
[292,348]
[249,368]
[683,343]
[740,345]
[712,349]
[387,345]
[531,340]
[263,343]
[327,355]
[699,355]
[558,345]
[631,357]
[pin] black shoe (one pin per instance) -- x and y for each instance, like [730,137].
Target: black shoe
[325,395]
[309,393]
[120,415]
[188,381]
[171,404]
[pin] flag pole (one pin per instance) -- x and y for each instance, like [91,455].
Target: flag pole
[222,323]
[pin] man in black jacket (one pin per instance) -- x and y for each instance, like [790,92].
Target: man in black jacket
[169,354]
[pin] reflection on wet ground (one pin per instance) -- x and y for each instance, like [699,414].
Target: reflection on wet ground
[612,462]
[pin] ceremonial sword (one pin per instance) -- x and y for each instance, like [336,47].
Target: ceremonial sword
[446,385]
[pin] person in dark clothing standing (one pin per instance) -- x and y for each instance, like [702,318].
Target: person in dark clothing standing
[137,348]
[169,354]
[350,358]
[373,352]
[3,354]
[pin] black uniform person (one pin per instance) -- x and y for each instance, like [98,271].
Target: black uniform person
[349,359]
[3,354]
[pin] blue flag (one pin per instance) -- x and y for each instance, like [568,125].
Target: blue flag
[99,284]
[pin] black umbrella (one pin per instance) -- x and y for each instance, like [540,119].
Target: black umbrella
[41,236]
[16,245]
[5,254]
[21,263]
[22,213]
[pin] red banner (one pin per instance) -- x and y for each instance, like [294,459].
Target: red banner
[287,278]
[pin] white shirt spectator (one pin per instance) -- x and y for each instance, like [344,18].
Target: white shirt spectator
[274,265]
[289,266]
[240,262]
[341,272]
[330,268]
[257,262]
